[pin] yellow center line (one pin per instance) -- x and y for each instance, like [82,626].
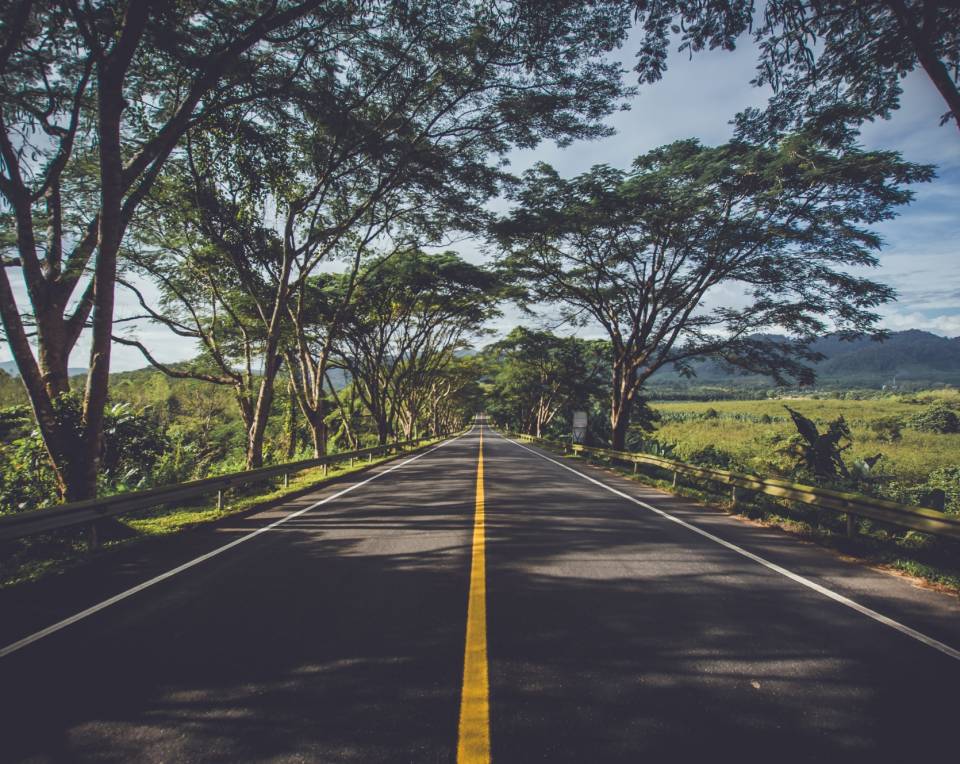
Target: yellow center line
[473,746]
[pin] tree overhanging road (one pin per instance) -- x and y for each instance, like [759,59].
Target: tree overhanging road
[610,633]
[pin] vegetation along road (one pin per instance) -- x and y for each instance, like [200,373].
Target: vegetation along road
[480,600]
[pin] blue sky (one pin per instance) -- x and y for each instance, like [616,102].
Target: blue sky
[697,98]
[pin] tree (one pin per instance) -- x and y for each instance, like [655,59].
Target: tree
[399,142]
[821,57]
[454,395]
[95,98]
[538,375]
[642,253]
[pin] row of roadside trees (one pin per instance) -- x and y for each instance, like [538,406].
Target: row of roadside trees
[253,162]
[274,181]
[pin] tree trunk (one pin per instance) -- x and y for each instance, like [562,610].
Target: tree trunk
[318,431]
[620,423]
[383,429]
[622,392]
[291,423]
[261,415]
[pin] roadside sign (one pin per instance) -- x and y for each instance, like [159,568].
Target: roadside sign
[579,426]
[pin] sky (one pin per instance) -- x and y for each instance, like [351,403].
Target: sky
[698,98]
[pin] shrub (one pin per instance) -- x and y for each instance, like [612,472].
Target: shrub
[887,429]
[938,418]
[711,456]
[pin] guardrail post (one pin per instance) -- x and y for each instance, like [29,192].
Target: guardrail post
[93,539]
[325,470]
[851,525]
[220,500]
[286,479]
[635,465]
[674,478]
[370,457]
[733,497]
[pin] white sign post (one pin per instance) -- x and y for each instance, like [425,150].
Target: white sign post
[579,426]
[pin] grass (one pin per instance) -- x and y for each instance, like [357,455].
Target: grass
[742,431]
[36,558]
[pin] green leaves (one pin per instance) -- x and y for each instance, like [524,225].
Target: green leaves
[830,63]
[701,251]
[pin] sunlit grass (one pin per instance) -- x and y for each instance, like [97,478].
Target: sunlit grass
[753,443]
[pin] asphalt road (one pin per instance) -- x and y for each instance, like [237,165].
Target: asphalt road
[611,633]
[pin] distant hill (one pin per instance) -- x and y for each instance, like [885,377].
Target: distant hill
[10,367]
[909,359]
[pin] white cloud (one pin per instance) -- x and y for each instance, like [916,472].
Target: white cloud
[947,325]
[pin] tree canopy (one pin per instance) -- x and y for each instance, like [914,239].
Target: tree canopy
[98,98]
[777,229]
[824,59]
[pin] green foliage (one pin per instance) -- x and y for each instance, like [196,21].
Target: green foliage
[711,456]
[15,422]
[632,250]
[758,439]
[11,389]
[134,444]
[887,429]
[824,59]
[938,418]
[535,380]
[821,454]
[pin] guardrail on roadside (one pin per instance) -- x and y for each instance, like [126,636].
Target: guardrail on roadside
[87,512]
[850,504]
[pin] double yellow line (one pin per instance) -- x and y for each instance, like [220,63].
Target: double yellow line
[473,746]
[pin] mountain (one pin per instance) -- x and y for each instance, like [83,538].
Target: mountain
[909,359]
[10,367]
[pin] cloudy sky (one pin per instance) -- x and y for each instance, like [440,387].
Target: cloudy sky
[697,98]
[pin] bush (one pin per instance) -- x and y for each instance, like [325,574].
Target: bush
[938,418]
[711,456]
[887,429]
[134,443]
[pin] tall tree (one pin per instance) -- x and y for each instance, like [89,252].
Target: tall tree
[95,97]
[412,144]
[398,136]
[642,254]
[823,58]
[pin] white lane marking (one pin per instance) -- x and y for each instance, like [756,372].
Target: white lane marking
[38,635]
[852,604]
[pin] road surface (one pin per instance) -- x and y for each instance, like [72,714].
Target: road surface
[425,613]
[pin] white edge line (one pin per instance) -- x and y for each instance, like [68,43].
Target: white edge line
[53,628]
[820,589]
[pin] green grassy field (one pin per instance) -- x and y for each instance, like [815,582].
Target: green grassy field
[752,434]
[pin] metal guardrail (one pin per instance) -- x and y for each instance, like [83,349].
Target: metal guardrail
[87,512]
[850,504]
